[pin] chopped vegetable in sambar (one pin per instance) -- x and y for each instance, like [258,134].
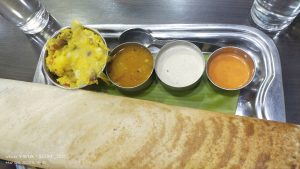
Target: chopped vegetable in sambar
[77,56]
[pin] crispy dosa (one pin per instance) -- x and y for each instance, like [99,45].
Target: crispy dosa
[49,127]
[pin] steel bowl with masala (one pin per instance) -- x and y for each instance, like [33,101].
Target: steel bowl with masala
[75,57]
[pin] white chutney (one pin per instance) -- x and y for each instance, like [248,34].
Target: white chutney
[180,64]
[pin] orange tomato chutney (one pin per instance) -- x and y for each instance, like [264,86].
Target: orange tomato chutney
[131,66]
[229,70]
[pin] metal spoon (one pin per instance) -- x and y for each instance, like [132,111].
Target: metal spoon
[145,38]
[141,36]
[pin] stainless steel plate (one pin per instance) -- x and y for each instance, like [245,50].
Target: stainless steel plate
[263,98]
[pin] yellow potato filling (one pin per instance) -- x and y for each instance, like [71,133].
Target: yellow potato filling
[77,56]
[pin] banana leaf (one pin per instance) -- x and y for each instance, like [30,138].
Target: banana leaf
[203,96]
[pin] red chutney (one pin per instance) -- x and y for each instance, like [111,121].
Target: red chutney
[228,70]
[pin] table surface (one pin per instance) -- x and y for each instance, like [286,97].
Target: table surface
[18,57]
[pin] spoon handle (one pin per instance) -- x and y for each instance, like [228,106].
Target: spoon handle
[160,43]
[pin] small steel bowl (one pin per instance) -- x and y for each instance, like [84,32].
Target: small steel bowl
[52,77]
[138,87]
[240,53]
[159,69]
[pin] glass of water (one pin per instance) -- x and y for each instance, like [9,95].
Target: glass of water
[29,15]
[274,15]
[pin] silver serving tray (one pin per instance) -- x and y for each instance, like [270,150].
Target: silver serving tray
[263,98]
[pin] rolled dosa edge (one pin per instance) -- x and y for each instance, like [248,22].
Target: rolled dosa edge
[48,127]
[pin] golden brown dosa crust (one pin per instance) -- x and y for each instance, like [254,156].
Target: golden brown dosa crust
[59,128]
